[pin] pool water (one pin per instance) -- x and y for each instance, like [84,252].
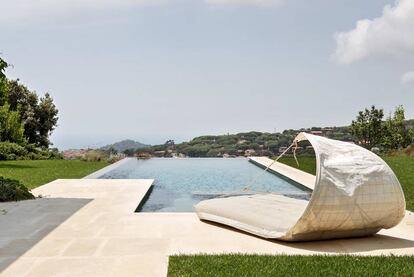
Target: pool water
[181,183]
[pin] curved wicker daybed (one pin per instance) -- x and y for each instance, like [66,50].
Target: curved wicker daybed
[356,194]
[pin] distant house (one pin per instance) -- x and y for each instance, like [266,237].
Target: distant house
[328,129]
[249,152]
[282,149]
[72,154]
[299,149]
[159,153]
[317,133]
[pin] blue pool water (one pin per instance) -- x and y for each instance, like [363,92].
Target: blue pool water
[181,183]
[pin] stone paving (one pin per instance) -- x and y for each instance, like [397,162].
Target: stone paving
[88,227]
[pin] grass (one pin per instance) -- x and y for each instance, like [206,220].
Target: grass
[403,167]
[285,265]
[307,164]
[36,173]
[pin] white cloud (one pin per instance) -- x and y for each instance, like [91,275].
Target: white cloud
[25,10]
[392,34]
[261,3]
[407,78]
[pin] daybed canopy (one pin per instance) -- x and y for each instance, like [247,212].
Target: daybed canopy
[356,194]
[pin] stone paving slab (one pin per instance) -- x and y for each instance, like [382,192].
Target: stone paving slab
[88,227]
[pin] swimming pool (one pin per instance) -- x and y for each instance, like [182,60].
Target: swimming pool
[181,183]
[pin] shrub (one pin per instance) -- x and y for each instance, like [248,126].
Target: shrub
[14,151]
[95,156]
[13,190]
[408,151]
[10,151]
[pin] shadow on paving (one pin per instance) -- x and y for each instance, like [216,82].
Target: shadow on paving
[339,246]
[26,223]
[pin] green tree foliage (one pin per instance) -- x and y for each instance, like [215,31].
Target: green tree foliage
[371,131]
[273,145]
[367,128]
[3,81]
[26,121]
[39,116]
[129,152]
[198,150]
[396,134]
[11,127]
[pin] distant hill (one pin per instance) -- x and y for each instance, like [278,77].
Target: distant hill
[124,145]
[250,143]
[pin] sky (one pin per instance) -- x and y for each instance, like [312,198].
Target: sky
[153,70]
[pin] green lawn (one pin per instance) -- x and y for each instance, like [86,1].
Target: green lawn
[283,265]
[404,169]
[35,173]
[307,164]
[402,166]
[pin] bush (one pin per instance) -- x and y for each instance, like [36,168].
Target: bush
[13,190]
[14,151]
[95,156]
[11,151]
[408,151]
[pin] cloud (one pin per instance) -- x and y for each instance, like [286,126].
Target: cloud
[407,78]
[260,3]
[392,34]
[24,10]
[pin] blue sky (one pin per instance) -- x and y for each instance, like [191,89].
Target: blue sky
[158,70]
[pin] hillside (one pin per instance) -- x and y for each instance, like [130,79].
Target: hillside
[125,145]
[242,144]
[248,143]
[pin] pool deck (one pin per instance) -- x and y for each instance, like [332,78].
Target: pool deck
[298,176]
[87,227]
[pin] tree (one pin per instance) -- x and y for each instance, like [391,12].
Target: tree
[170,142]
[198,150]
[39,116]
[129,152]
[367,128]
[273,146]
[47,119]
[3,81]
[11,127]
[396,134]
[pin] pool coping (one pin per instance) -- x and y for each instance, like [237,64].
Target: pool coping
[99,173]
[295,176]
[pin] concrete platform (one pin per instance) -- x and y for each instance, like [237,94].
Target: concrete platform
[88,227]
[298,176]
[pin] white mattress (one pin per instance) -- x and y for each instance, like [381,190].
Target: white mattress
[265,215]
